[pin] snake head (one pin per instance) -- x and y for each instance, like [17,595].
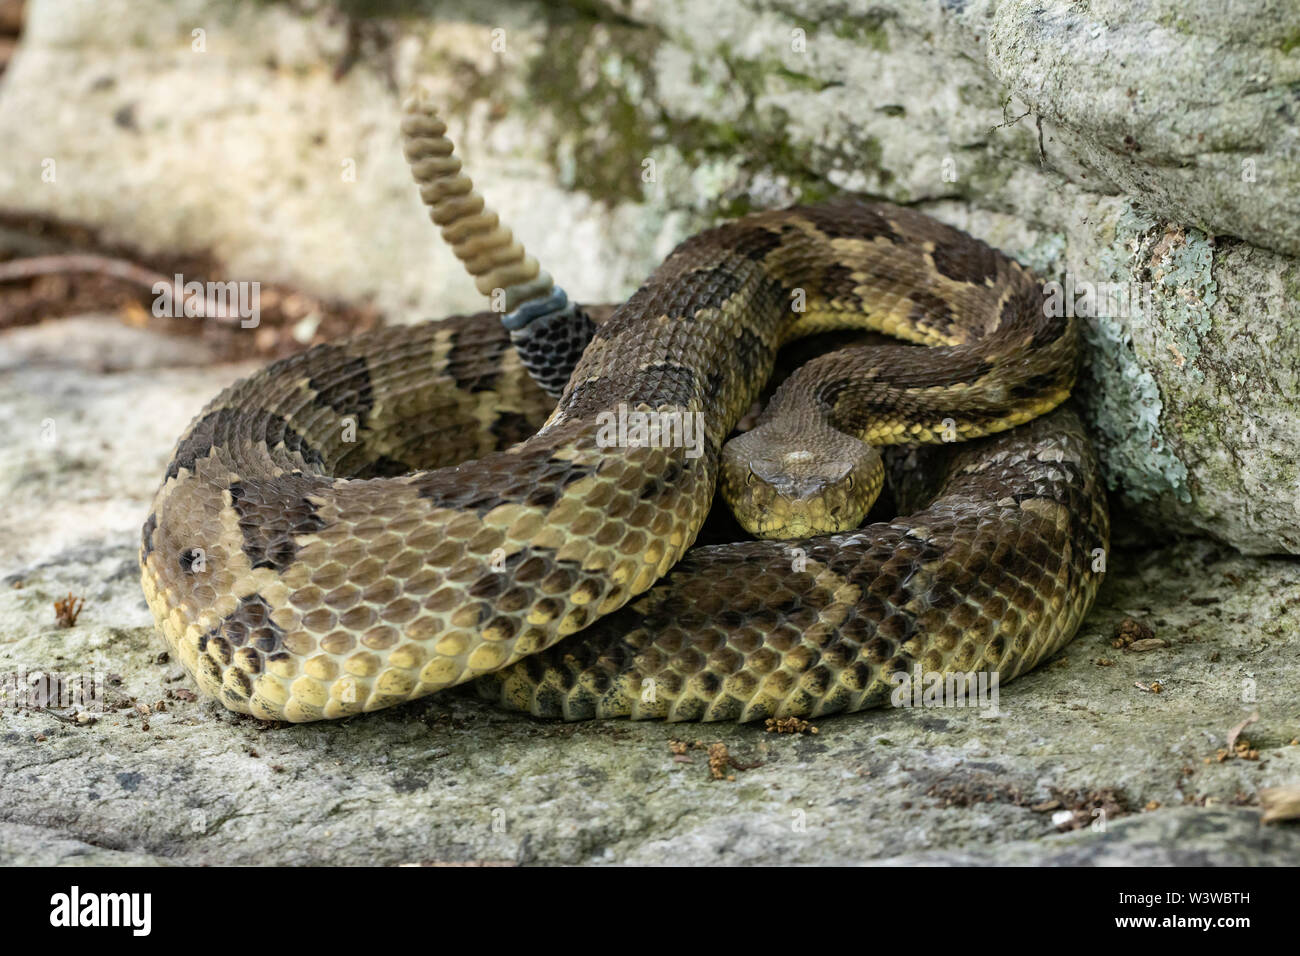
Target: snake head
[787,482]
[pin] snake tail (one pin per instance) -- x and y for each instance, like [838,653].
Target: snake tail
[547,330]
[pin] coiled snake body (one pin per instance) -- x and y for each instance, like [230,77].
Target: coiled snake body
[378,519]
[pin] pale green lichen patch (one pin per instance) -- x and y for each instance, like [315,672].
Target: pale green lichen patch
[1122,393]
[594,78]
[1184,291]
[867,29]
[1044,256]
[600,83]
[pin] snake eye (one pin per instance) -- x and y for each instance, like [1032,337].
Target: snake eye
[849,486]
[749,478]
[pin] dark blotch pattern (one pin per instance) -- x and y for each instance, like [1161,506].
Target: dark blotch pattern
[385,467]
[931,310]
[850,220]
[200,439]
[470,367]
[146,533]
[510,428]
[757,245]
[532,477]
[964,260]
[750,355]
[249,625]
[341,383]
[691,292]
[839,283]
[272,513]
[1037,385]
[663,384]
[278,432]
[226,425]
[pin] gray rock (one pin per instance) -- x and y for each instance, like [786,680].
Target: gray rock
[1187,107]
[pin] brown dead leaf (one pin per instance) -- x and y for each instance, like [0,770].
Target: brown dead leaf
[1147,644]
[1235,732]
